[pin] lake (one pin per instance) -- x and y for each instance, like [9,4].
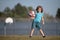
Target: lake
[24,28]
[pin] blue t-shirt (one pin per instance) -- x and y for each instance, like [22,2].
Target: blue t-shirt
[38,17]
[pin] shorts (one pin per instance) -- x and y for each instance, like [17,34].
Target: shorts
[36,24]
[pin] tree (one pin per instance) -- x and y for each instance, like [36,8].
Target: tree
[2,14]
[58,13]
[21,11]
[30,8]
[7,11]
[18,8]
[13,12]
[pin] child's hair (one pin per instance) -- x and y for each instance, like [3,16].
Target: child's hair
[38,8]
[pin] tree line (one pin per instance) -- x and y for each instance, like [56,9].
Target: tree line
[20,11]
[58,13]
[17,11]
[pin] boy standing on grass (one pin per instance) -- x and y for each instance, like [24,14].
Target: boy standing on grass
[37,20]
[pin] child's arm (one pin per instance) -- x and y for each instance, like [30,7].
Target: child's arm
[43,20]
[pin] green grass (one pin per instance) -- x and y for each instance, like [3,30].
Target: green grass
[26,37]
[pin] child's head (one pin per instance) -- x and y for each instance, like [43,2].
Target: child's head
[39,9]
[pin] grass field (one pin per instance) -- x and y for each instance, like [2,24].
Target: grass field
[26,37]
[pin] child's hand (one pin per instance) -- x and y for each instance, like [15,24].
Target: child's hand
[43,23]
[43,20]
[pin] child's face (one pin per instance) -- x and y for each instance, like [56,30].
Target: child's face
[39,10]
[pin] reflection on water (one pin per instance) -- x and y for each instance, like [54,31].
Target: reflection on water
[23,28]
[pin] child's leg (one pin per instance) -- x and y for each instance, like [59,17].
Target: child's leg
[31,32]
[41,32]
[32,28]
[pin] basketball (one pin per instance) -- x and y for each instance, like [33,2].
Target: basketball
[31,14]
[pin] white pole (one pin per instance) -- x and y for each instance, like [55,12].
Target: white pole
[4,30]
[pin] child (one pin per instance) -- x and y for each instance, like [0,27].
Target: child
[37,20]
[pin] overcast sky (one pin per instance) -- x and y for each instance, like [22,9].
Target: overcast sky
[49,6]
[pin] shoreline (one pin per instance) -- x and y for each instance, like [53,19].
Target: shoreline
[29,19]
[17,19]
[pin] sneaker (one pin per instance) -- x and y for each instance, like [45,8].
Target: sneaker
[44,36]
[30,36]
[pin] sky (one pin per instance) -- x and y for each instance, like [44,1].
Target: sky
[49,6]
